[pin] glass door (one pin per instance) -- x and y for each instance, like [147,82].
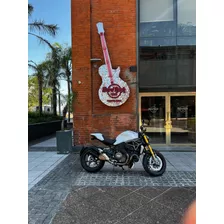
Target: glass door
[153,113]
[169,117]
[183,119]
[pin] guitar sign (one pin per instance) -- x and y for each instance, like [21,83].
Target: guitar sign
[113,91]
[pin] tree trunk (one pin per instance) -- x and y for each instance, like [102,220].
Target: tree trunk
[54,92]
[40,94]
[59,103]
[69,96]
[52,102]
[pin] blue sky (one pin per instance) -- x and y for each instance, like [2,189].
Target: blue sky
[52,12]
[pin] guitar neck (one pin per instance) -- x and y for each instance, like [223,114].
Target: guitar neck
[106,55]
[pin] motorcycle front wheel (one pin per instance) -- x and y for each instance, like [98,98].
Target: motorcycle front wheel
[90,162]
[154,168]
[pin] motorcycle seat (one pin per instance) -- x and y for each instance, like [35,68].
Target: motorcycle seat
[109,141]
[103,139]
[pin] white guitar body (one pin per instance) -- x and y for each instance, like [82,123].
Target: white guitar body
[112,94]
[113,91]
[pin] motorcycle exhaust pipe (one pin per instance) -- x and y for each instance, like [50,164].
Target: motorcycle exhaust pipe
[104,157]
[98,152]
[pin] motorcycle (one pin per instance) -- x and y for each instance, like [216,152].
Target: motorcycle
[125,150]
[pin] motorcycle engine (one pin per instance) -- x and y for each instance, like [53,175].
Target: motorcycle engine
[134,155]
[120,154]
[121,158]
[124,152]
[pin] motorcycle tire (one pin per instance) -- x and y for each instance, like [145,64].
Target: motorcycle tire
[88,168]
[149,170]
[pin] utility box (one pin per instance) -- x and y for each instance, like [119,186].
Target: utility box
[64,141]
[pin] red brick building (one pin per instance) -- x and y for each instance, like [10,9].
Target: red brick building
[155,47]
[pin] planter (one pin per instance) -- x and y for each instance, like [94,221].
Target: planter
[64,141]
[39,130]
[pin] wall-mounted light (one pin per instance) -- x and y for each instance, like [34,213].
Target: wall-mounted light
[79,82]
[95,59]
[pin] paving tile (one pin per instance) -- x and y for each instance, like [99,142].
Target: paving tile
[171,168]
[41,168]
[155,213]
[47,143]
[34,173]
[114,193]
[150,192]
[46,196]
[33,163]
[30,186]
[46,163]
[177,199]
[135,178]
[31,179]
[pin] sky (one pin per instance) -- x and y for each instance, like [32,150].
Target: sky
[52,12]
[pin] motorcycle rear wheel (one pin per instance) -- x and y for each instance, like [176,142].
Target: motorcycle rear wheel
[90,162]
[153,169]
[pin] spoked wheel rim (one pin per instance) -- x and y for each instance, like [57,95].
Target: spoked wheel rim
[91,161]
[155,165]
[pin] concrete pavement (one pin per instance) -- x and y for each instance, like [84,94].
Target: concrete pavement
[60,191]
[53,199]
[40,164]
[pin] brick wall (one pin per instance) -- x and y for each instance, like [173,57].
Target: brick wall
[119,19]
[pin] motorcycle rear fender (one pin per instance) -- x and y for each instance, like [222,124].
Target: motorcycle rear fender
[95,150]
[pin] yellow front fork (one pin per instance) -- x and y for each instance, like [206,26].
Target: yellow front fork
[149,146]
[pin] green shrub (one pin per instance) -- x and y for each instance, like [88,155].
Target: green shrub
[34,117]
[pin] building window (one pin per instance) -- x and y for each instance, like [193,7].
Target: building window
[186,20]
[157,26]
[167,43]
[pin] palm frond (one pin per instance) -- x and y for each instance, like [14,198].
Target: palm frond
[31,61]
[32,66]
[66,58]
[43,28]
[42,40]
[57,45]
[30,9]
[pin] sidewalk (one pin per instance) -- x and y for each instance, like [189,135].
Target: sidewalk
[68,192]
[46,145]
[40,164]
[43,158]
[60,191]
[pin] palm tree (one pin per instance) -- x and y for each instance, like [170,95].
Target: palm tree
[50,82]
[52,68]
[66,65]
[39,73]
[41,27]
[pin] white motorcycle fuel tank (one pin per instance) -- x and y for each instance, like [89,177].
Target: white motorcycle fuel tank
[126,136]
